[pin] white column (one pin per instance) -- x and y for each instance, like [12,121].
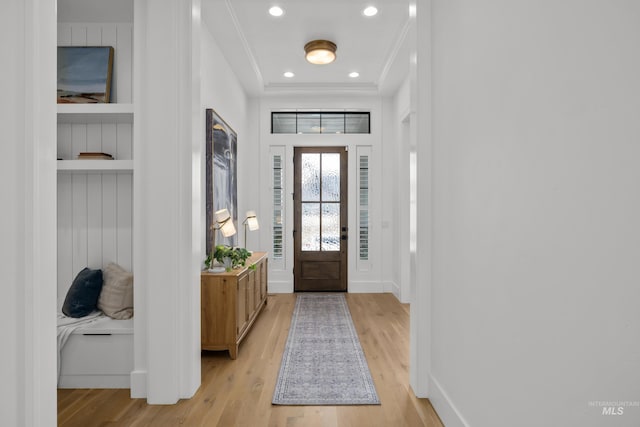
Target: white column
[420,129]
[167,334]
[28,215]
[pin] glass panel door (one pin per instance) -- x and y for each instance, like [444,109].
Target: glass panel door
[320,218]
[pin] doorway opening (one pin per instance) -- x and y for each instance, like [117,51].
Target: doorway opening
[320,219]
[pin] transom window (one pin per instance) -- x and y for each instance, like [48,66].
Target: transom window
[313,122]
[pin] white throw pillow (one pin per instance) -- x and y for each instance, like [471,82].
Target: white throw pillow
[116,297]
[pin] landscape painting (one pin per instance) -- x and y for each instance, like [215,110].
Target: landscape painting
[222,184]
[84,74]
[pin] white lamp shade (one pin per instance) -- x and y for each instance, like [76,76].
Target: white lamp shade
[252,221]
[222,215]
[227,229]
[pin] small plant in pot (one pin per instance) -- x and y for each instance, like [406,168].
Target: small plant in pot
[229,257]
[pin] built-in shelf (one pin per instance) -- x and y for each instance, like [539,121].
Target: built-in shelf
[96,197]
[95,165]
[95,113]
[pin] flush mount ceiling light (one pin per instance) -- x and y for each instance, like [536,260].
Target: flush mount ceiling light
[288,74]
[276,11]
[320,52]
[354,74]
[370,11]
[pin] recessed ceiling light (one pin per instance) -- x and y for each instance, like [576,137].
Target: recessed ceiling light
[288,74]
[276,11]
[354,74]
[370,11]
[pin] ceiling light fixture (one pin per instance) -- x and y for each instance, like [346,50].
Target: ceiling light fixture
[370,11]
[276,11]
[320,52]
[288,74]
[354,74]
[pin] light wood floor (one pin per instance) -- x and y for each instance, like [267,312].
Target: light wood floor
[238,393]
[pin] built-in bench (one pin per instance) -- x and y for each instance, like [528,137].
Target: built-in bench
[99,355]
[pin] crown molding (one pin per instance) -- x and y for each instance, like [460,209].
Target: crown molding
[245,44]
[322,88]
[391,57]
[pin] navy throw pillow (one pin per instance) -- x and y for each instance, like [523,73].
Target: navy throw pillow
[82,296]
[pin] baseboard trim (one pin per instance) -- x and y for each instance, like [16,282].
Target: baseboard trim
[138,384]
[366,288]
[285,287]
[443,405]
[395,290]
[94,381]
[359,287]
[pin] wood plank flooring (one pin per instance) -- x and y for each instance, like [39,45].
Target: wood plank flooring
[238,392]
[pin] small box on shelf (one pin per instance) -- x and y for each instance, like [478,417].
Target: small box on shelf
[92,155]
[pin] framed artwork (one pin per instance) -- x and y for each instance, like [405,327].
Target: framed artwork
[84,74]
[222,184]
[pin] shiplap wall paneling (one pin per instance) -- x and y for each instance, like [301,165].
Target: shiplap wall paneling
[65,237]
[124,187]
[109,218]
[80,224]
[94,223]
[113,138]
[95,210]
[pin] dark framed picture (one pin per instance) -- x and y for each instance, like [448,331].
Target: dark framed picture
[84,74]
[221,175]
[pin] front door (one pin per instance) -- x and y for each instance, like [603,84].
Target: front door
[320,205]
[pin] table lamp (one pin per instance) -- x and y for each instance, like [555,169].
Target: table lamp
[224,223]
[251,222]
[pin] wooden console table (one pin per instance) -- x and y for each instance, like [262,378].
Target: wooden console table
[231,302]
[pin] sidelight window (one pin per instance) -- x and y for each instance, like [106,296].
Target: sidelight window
[277,225]
[363,206]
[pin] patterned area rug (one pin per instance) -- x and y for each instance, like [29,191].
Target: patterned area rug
[323,362]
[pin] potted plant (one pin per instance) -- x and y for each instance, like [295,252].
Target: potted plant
[229,257]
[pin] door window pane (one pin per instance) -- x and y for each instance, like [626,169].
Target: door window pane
[331,226]
[331,177]
[310,227]
[310,177]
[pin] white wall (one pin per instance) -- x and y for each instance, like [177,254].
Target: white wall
[166,209]
[28,218]
[12,219]
[391,212]
[363,277]
[536,205]
[222,91]
[400,117]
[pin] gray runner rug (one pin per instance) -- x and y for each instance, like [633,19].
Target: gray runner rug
[323,362]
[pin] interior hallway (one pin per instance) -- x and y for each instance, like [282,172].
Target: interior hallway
[238,393]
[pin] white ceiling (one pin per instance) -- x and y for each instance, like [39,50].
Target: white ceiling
[260,47]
